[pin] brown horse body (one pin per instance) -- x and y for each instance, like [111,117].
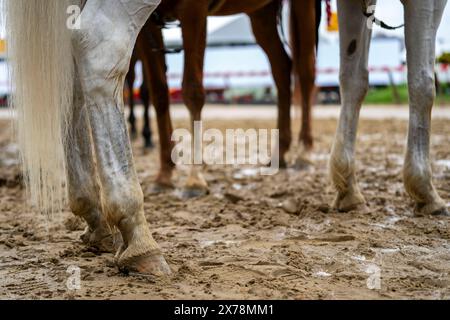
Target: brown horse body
[264,20]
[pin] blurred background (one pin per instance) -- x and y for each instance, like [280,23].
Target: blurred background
[237,71]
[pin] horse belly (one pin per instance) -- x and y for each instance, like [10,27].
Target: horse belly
[230,7]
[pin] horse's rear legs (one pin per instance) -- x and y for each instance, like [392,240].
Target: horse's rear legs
[193,21]
[303,26]
[130,78]
[355,43]
[112,28]
[154,65]
[264,25]
[422,19]
[83,186]
[147,131]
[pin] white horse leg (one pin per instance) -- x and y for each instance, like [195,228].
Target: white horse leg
[422,19]
[354,42]
[83,185]
[103,49]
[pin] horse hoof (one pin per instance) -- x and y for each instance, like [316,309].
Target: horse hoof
[148,264]
[441,213]
[158,188]
[194,192]
[149,146]
[437,208]
[303,164]
[350,202]
[358,207]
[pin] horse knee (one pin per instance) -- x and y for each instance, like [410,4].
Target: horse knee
[422,89]
[416,173]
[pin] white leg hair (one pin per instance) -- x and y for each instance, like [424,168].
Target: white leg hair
[83,185]
[103,49]
[354,44]
[422,19]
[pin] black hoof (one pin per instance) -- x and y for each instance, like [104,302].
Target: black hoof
[190,193]
[302,165]
[441,213]
[157,188]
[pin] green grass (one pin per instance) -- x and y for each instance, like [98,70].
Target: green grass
[386,95]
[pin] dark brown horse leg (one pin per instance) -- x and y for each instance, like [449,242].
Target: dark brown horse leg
[304,52]
[193,20]
[131,76]
[147,131]
[154,63]
[264,23]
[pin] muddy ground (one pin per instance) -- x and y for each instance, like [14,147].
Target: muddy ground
[253,237]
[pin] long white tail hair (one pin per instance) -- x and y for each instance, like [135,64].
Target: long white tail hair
[42,77]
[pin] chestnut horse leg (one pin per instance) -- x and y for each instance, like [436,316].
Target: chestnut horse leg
[103,49]
[147,131]
[422,19]
[354,77]
[264,24]
[193,18]
[131,76]
[154,64]
[304,29]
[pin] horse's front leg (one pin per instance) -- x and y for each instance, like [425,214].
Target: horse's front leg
[422,19]
[354,78]
[193,19]
[103,49]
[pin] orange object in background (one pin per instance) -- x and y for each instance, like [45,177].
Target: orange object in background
[333,25]
[2,47]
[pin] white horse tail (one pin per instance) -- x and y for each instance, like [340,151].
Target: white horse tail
[42,74]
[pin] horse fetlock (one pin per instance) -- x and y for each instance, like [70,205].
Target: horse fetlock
[342,169]
[419,185]
[102,239]
[125,209]
[98,233]
[164,179]
[196,184]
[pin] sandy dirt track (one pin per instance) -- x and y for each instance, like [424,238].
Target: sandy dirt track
[253,237]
